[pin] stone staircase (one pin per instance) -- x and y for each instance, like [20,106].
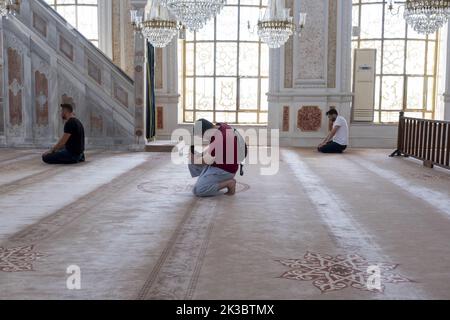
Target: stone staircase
[43,63]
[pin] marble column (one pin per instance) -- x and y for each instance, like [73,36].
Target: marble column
[447,79]
[123,36]
[2,99]
[28,103]
[139,77]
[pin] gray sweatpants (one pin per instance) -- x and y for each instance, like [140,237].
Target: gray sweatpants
[209,179]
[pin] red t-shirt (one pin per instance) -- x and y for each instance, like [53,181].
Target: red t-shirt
[229,140]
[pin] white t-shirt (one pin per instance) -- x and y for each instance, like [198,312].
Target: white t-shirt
[341,135]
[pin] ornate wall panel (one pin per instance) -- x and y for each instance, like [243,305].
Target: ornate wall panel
[311,61]
[94,71]
[286,119]
[121,95]
[160,118]
[40,24]
[309,119]
[66,47]
[41,97]
[41,73]
[15,86]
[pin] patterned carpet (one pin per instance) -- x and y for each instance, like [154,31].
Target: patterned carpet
[353,226]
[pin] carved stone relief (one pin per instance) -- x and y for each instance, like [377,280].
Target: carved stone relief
[15,86]
[309,119]
[41,97]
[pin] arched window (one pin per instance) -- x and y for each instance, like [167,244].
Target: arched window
[406,75]
[224,68]
[81,14]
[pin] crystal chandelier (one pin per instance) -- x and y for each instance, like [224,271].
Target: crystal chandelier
[8,7]
[194,14]
[427,16]
[277,26]
[158,28]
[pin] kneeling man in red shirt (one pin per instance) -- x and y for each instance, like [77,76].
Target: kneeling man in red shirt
[219,173]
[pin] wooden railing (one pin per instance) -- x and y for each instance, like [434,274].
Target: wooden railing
[426,140]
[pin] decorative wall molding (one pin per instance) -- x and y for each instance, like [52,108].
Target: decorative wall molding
[305,95]
[163,98]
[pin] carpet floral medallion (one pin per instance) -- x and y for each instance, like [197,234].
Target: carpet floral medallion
[18,259]
[332,273]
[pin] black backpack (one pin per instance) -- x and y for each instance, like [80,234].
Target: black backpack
[242,150]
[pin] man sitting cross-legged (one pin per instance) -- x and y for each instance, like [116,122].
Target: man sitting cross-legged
[70,148]
[337,140]
[218,175]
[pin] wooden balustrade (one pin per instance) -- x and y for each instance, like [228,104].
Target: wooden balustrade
[426,140]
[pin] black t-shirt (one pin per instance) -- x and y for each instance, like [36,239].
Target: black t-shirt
[75,144]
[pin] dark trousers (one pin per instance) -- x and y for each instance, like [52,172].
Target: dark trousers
[332,147]
[62,157]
